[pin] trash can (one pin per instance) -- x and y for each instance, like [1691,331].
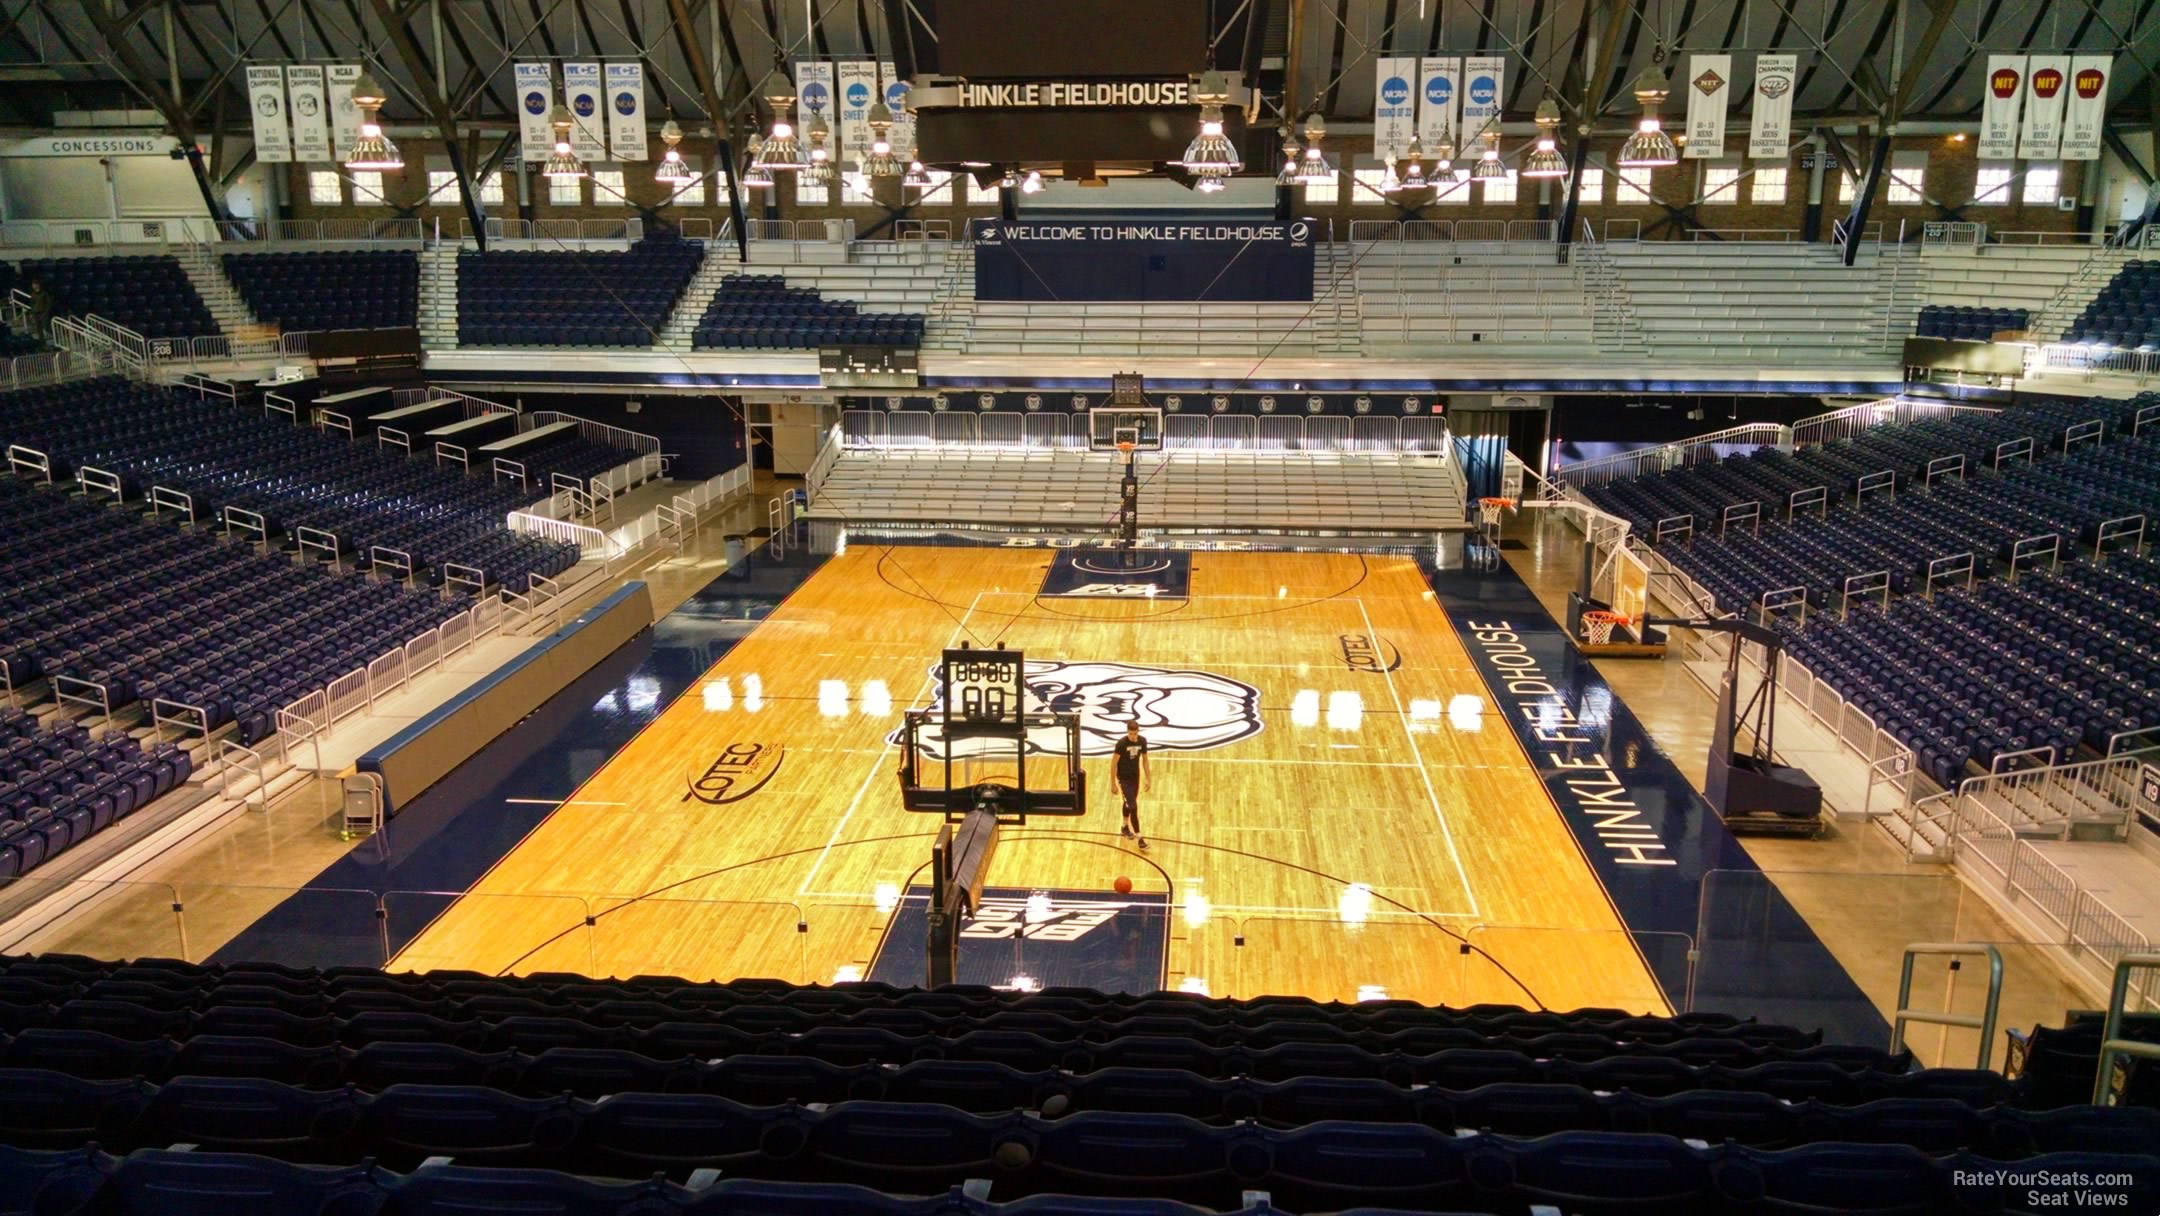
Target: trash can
[736,547]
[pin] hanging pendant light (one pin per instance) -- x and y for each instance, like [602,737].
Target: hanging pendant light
[672,171]
[755,176]
[820,168]
[1289,174]
[1211,148]
[371,148]
[1488,165]
[1413,170]
[1011,180]
[916,175]
[1390,181]
[1545,159]
[1032,183]
[880,162]
[782,151]
[1649,146]
[562,163]
[1316,169]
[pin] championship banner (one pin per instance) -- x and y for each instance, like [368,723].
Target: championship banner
[1484,78]
[1143,260]
[903,118]
[2046,81]
[1709,94]
[266,100]
[1394,107]
[1439,88]
[536,105]
[858,88]
[344,115]
[581,92]
[1999,102]
[310,113]
[626,110]
[813,95]
[1770,136]
[2087,106]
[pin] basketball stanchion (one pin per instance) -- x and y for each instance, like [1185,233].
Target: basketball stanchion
[1598,625]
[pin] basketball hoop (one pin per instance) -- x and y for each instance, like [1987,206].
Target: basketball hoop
[1126,446]
[1598,625]
[1489,510]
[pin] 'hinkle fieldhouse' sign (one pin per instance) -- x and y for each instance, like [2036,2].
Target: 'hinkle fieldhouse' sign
[1047,94]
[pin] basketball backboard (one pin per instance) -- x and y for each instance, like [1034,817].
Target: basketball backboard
[1110,425]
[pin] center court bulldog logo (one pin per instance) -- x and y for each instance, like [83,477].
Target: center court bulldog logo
[1178,709]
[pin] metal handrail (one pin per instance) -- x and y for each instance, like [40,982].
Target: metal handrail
[2112,1044]
[1984,1022]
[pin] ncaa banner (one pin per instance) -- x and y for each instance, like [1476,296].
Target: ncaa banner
[536,104]
[2087,106]
[1394,107]
[1999,103]
[626,110]
[344,115]
[1770,135]
[1709,96]
[1439,84]
[310,113]
[581,92]
[266,100]
[858,88]
[2045,79]
[1484,77]
[903,119]
[813,95]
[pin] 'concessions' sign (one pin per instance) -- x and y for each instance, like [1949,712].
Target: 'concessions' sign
[91,145]
[1066,94]
[1143,260]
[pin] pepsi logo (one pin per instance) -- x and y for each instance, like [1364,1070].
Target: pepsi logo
[2089,82]
[626,104]
[1395,90]
[1439,91]
[858,95]
[2004,83]
[1300,232]
[535,102]
[1484,90]
[2046,83]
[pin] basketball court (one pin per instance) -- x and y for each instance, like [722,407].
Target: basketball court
[1337,808]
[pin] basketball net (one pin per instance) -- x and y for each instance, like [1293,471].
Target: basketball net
[1598,625]
[1489,510]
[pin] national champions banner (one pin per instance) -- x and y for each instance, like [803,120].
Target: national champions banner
[858,90]
[1709,95]
[581,92]
[896,100]
[1145,259]
[535,105]
[1770,130]
[266,101]
[1439,91]
[626,110]
[1394,107]
[813,95]
[2045,76]
[2000,99]
[310,114]
[2090,76]
[1484,79]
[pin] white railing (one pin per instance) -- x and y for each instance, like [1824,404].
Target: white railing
[557,233]
[1855,420]
[1183,432]
[48,367]
[360,690]
[591,542]
[2093,791]
[1460,231]
[2092,360]
[95,236]
[1701,449]
[828,455]
[339,229]
[597,432]
[693,501]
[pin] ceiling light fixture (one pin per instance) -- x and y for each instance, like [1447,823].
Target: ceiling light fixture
[1413,170]
[755,176]
[1289,174]
[371,148]
[1488,165]
[820,167]
[1545,159]
[672,171]
[1649,146]
[916,175]
[1315,169]
[1032,183]
[1211,148]
[782,151]
[562,163]
[881,162]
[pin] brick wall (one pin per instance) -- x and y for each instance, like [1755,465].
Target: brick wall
[1949,179]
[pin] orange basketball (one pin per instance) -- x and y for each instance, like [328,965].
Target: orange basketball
[1122,886]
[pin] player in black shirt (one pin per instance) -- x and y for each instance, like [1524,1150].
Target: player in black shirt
[1131,770]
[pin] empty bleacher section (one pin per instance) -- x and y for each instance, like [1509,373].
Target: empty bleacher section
[2037,278]
[1501,300]
[763,312]
[2125,313]
[1968,324]
[853,1098]
[151,295]
[58,785]
[1906,509]
[332,289]
[572,298]
[1766,304]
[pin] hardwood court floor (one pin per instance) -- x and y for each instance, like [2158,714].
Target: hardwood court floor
[1399,780]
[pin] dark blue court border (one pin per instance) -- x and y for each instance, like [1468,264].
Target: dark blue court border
[1649,837]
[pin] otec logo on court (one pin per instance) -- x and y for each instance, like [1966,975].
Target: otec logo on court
[742,769]
[1376,656]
